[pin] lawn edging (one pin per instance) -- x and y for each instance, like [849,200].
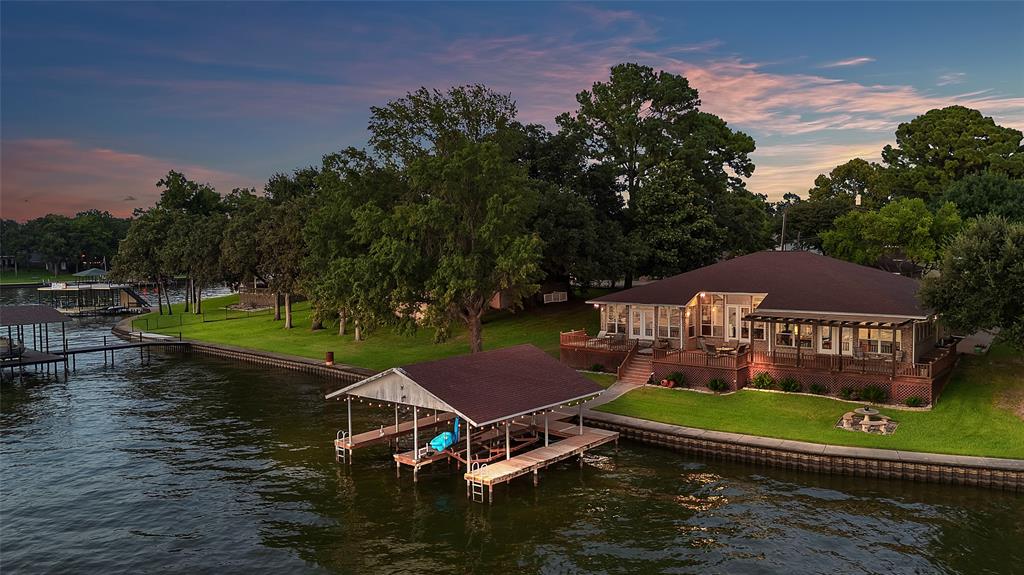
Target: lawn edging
[990,472]
[346,373]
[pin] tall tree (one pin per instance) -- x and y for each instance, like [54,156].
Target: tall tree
[945,145]
[981,284]
[462,235]
[641,120]
[903,229]
[988,193]
[674,226]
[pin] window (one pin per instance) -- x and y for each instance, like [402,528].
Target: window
[826,338]
[691,322]
[792,333]
[847,337]
[712,315]
[669,320]
[878,340]
[759,331]
[616,319]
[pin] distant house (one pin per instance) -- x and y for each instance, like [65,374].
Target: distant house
[799,315]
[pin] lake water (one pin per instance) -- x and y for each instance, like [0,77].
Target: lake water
[201,466]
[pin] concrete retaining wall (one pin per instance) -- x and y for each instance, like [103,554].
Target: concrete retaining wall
[990,472]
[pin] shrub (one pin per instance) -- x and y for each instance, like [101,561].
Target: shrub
[874,394]
[677,378]
[914,401]
[597,367]
[716,385]
[849,393]
[790,384]
[817,389]
[764,380]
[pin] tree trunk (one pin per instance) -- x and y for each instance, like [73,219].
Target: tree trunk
[342,321]
[287,310]
[359,330]
[188,294]
[476,335]
[277,306]
[199,299]
[159,298]
[167,297]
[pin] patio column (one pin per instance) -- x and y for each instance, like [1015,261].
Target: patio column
[545,430]
[894,350]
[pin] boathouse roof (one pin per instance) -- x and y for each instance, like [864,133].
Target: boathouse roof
[791,281]
[11,315]
[483,388]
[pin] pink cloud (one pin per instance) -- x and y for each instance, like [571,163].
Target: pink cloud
[41,176]
[849,62]
[792,168]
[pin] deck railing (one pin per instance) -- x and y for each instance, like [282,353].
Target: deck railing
[579,339]
[700,359]
[803,360]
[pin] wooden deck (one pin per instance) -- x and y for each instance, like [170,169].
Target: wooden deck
[389,432]
[532,461]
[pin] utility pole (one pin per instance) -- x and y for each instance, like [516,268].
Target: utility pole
[782,237]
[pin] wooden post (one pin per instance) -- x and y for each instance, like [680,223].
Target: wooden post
[350,451]
[894,350]
[508,445]
[468,447]
[581,417]
[415,434]
[546,430]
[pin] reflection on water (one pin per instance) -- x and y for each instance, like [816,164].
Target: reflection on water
[194,465]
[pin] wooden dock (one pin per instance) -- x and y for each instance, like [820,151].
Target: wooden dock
[344,443]
[537,459]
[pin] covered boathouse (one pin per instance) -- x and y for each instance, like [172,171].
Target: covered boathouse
[515,406]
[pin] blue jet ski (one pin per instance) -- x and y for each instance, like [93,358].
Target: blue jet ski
[445,440]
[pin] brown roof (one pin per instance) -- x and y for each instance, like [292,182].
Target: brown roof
[495,385]
[799,281]
[29,314]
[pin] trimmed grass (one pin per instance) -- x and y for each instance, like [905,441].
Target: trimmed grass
[382,348]
[605,380]
[974,416]
[33,276]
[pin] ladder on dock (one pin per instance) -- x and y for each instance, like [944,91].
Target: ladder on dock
[476,488]
[341,453]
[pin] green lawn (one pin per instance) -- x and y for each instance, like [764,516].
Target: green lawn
[33,276]
[605,380]
[974,416]
[382,348]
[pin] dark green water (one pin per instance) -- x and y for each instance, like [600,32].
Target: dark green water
[199,466]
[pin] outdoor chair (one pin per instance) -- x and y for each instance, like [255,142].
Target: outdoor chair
[858,353]
[710,349]
[742,349]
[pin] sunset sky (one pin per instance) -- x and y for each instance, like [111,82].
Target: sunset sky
[99,100]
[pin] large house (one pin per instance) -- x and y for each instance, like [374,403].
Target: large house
[823,322]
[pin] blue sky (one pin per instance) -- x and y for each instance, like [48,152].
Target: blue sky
[98,100]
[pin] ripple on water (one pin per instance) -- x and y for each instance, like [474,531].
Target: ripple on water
[193,465]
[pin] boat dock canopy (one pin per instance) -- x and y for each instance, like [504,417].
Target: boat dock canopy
[11,315]
[483,388]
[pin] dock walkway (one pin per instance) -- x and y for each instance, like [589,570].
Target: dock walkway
[533,461]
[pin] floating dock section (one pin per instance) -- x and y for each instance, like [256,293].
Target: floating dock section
[509,401]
